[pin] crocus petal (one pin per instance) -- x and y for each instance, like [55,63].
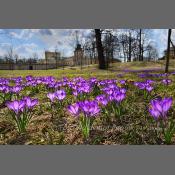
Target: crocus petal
[156,104]
[154,113]
[167,104]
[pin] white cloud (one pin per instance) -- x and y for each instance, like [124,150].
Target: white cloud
[4,48]
[24,34]
[62,39]
[27,50]
[2,52]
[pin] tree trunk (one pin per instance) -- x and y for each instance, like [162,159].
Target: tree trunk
[101,59]
[129,58]
[140,45]
[112,48]
[168,51]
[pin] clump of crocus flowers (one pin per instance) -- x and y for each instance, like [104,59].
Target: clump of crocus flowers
[145,88]
[103,102]
[147,85]
[166,81]
[56,100]
[85,111]
[159,109]
[115,96]
[58,95]
[22,111]
[7,92]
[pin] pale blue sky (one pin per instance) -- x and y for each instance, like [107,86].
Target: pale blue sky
[27,41]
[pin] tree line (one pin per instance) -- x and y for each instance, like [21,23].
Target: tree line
[127,45]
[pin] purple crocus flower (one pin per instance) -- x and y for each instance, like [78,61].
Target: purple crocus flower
[89,108]
[149,81]
[122,81]
[5,89]
[75,93]
[122,90]
[118,96]
[160,107]
[120,75]
[149,88]
[16,89]
[30,103]
[60,94]
[166,81]
[101,99]
[93,81]
[16,106]
[74,109]
[51,96]
[147,85]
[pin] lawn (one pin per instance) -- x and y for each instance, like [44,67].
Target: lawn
[86,72]
[130,103]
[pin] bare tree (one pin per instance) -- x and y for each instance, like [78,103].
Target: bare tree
[90,48]
[109,45]
[16,58]
[9,57]
[130,45]
[57,57]
[101,59]
[10,53]
[35,56]
[151,52]
[140,45]
[123,45]
[168,51]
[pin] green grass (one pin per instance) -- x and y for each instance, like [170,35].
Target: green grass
[86,72]
[59,73]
